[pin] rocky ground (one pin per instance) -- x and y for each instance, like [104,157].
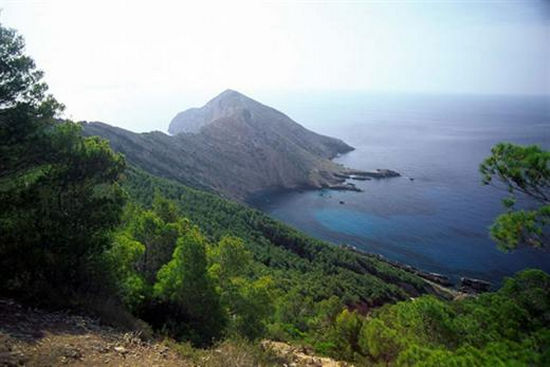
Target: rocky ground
[34,337]
[300,356]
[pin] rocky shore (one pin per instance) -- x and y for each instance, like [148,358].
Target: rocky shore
[358,175]
[472,285]
[354,174]
[466,285]
[348,186]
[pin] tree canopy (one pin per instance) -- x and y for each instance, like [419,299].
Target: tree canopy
[524,172]
[59,195]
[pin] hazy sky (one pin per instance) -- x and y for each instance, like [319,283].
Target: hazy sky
[135,64]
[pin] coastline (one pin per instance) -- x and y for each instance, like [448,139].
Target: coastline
[447,288]
[466,285]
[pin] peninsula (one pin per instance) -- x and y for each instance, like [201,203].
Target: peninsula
[237,147]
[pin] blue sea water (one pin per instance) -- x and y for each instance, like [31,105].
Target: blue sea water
[439,221]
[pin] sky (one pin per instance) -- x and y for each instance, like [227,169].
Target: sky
[135,64]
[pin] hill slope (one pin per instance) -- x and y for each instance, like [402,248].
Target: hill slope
[235,146]
[37,337]
[296,260]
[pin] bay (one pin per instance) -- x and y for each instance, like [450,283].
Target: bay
[439,220]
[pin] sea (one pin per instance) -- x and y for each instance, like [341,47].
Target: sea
[436,216]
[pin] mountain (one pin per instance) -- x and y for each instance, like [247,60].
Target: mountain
[246,119]
[235,146]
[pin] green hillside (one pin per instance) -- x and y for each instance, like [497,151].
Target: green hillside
[317,268]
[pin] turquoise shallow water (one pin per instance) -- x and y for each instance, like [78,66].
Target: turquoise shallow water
[438,222]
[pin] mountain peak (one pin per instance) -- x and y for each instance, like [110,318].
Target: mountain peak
[229,93]
[230,97]
[223,105]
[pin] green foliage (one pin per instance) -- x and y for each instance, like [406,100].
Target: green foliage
[508,327]
[296,309]
[521,226]
[169,274]
[142,245]
[159,240]
[523,170]
[121,259]
[347,327]
[249,304]
[380,341]
[165,209]
[59,196]
[20,81]
[323,320]
[531,290]
[184,282]
[231,259]
[186,274]
[271,279]
[292,259]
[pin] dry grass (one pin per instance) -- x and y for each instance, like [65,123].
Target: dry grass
[229,353]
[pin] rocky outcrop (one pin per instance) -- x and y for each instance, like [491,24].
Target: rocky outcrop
[301,356]
[378,173]
[471,285]
[348,186]
[467,286]
[360,178]
[434,277]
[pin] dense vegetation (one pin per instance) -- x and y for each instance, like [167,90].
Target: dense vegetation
[318,269]
[268,278]
[75,221]
[505,328]
[59,195]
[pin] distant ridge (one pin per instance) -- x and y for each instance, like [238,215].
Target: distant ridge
[236,146]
